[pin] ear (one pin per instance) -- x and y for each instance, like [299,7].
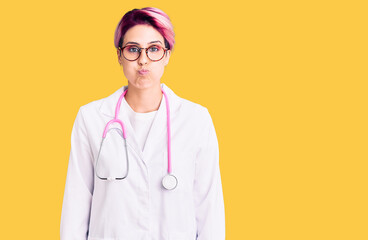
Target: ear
[167,57]
[119,57]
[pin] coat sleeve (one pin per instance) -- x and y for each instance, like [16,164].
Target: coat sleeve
[79,185]
[208,199]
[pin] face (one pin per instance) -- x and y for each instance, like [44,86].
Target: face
[143,36]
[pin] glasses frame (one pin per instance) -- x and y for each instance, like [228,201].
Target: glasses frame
[140,51]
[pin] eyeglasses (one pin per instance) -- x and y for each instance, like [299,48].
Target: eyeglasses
[132,52]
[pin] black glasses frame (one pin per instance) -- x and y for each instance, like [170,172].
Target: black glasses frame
[140,51]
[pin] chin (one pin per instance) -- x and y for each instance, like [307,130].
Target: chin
[144,83]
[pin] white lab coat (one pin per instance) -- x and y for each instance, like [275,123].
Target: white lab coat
[138,207]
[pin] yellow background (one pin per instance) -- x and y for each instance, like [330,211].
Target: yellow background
[284,81]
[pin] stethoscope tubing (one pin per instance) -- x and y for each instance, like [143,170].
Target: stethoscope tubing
[117,120]
[168,133]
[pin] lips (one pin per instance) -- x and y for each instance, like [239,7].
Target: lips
[143,71]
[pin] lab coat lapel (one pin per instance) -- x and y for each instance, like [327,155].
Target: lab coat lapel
[131,137]
[155,141]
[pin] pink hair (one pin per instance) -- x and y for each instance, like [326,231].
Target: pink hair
[148,16]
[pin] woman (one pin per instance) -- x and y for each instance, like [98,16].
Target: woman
[165,182]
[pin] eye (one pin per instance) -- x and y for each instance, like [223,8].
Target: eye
[133,49]
[154,49]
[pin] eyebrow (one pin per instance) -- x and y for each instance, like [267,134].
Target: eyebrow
[147,43]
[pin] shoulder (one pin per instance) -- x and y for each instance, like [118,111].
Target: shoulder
[101,105]
[91,107]
[195,111]
[188,105]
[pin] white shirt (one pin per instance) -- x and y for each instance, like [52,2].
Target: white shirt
[141,122]
[138,207]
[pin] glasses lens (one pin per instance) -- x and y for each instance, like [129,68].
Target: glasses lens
[155,53]
[131,52]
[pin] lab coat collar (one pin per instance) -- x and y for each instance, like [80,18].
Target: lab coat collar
[158,129]
[109,103]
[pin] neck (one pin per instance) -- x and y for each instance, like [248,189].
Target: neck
[144,100]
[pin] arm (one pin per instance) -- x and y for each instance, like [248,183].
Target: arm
[79,185]
[209,202]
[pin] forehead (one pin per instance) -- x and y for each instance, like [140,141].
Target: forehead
[142,34]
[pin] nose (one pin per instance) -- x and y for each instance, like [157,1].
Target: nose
[143,59]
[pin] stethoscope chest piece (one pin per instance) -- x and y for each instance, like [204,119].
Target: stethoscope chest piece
[169,182]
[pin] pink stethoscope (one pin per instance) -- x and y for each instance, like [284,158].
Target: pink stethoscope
[169,182]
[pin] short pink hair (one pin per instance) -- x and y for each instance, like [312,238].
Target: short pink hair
[148,16]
